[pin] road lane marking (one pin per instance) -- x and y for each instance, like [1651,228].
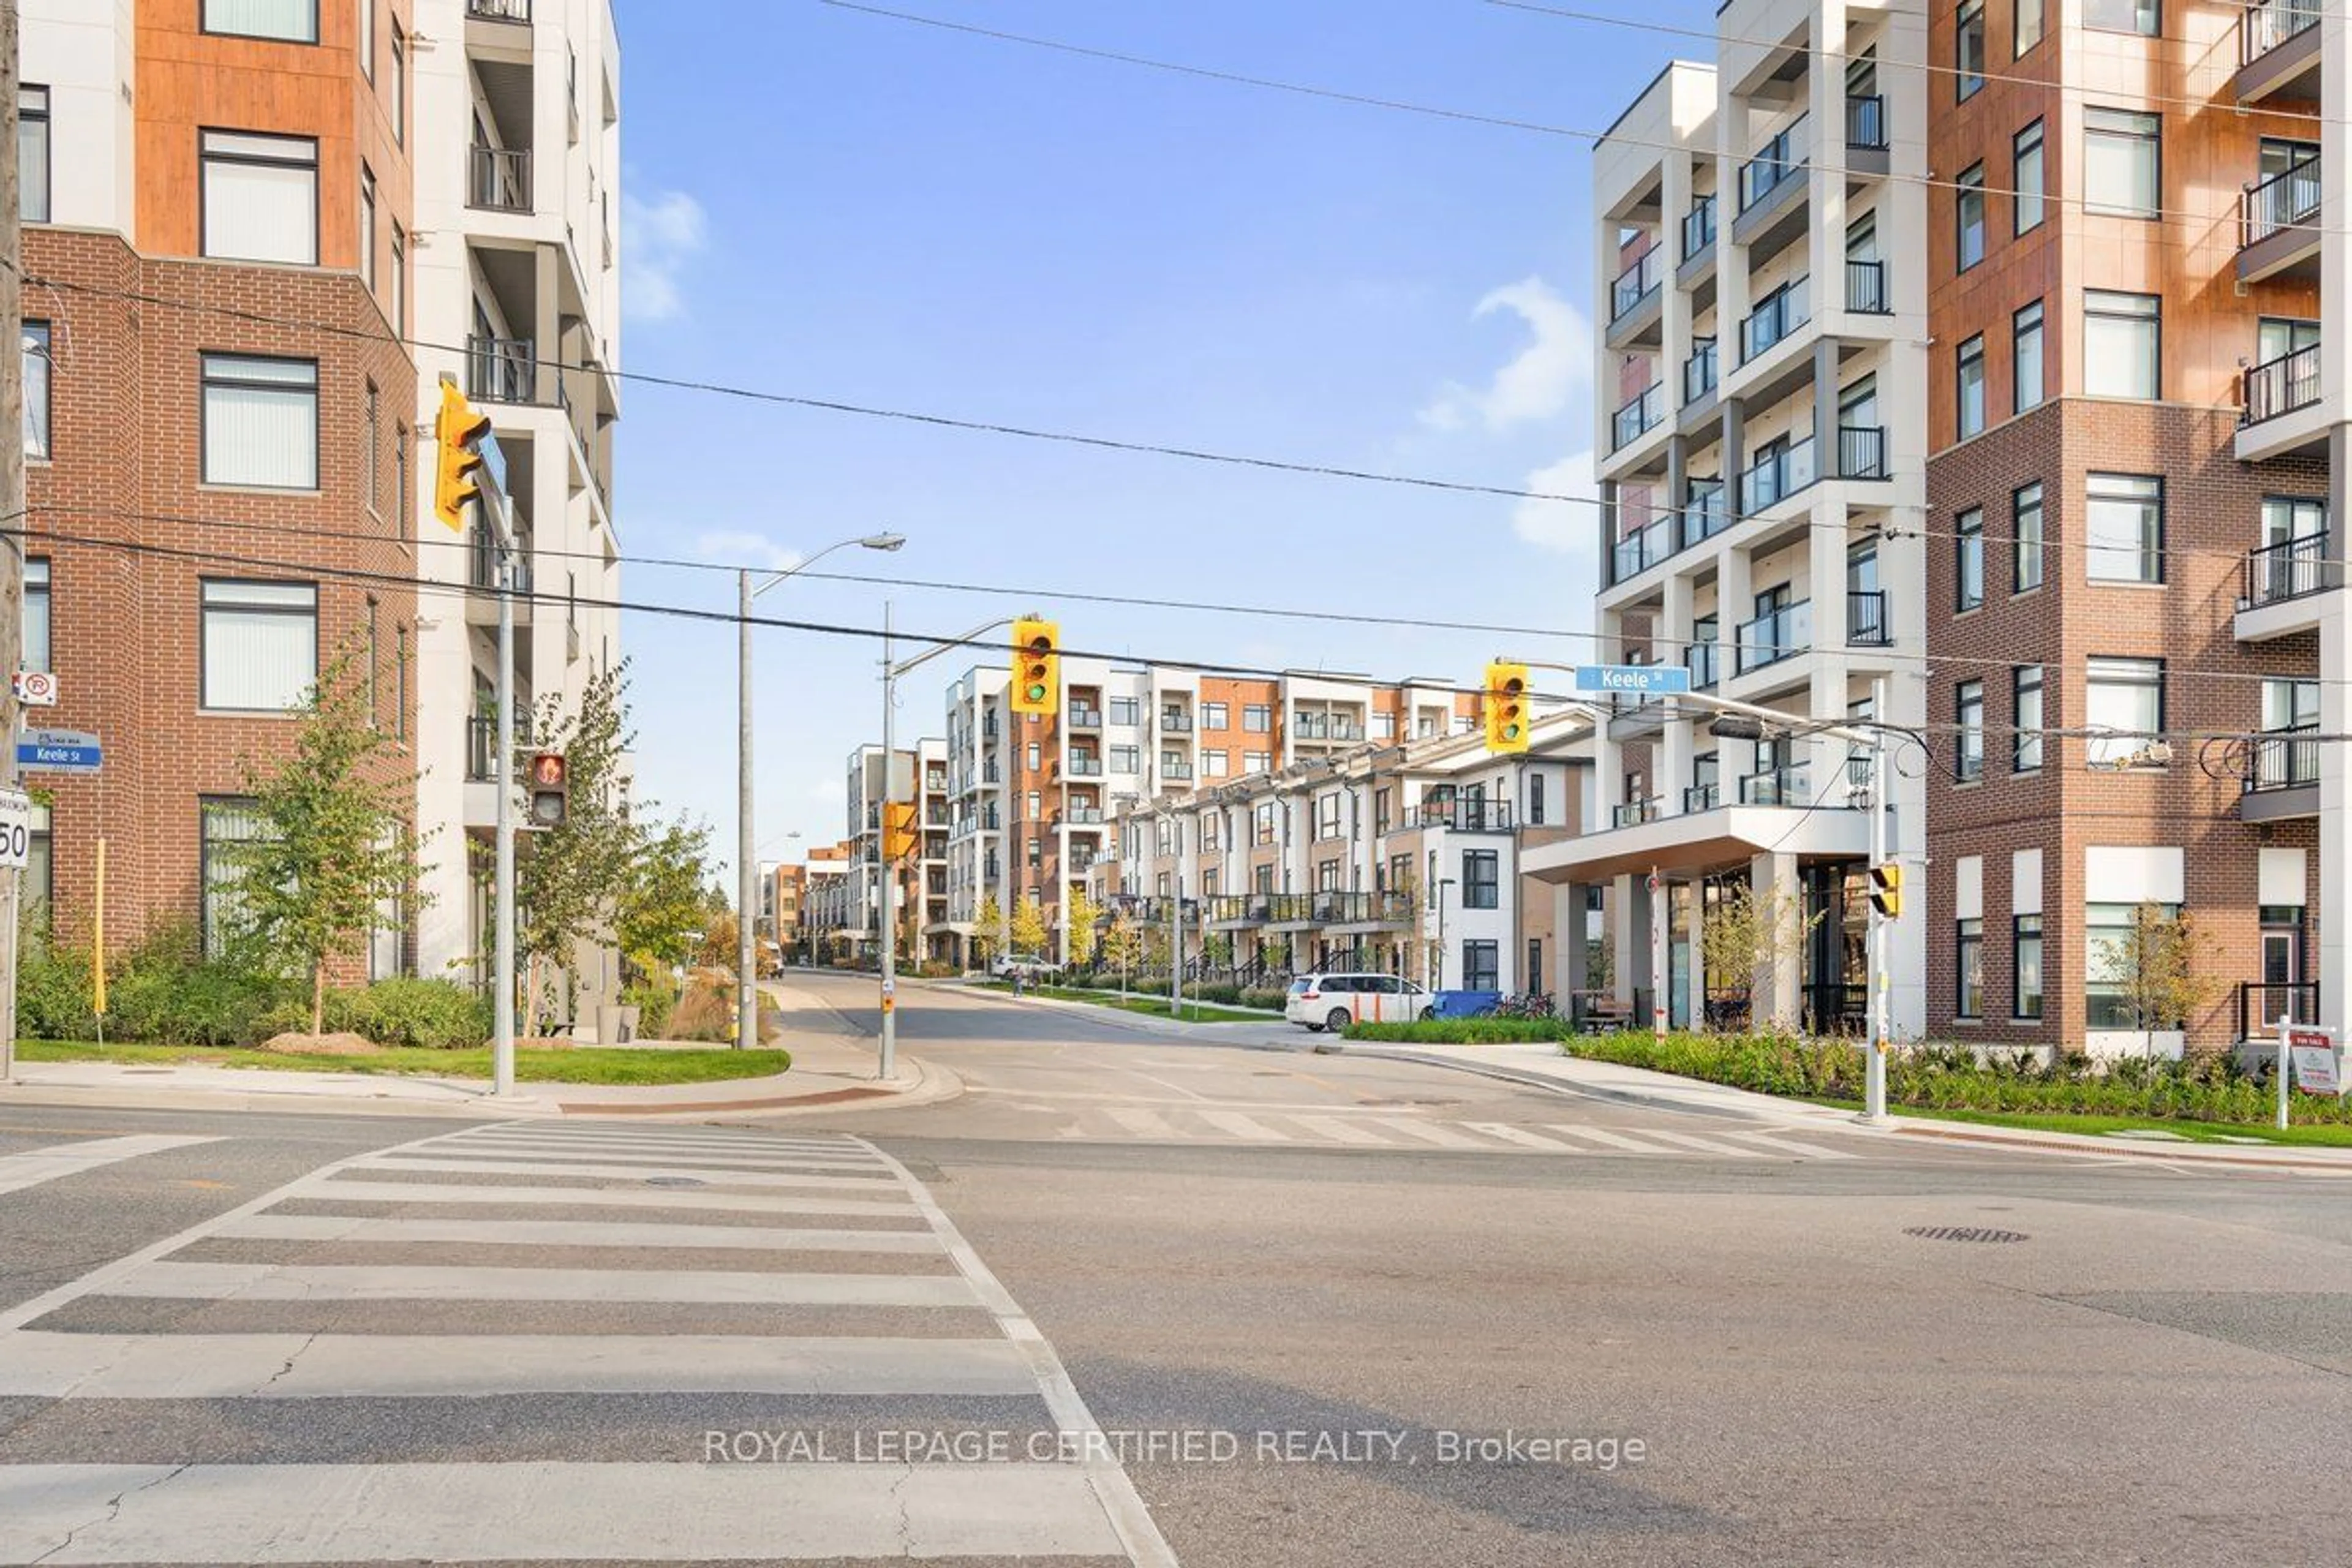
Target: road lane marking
[747,1144]
[679,1156]
[892,1203]
[1779,1144]
[337,1282]
[30,1169]
[569,1233]
[1242,1126]
[363,1366]
[1442,1134]
[1339,1132]
[62,1514]
[691,1172]
[1603,1136]
[1143,1123]
[1706,1145]
[1522,1137]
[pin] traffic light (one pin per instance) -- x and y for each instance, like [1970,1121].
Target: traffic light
[551,790]
[898,830]
[1037,668]
[457,430]
[1887,890]
[1506,706]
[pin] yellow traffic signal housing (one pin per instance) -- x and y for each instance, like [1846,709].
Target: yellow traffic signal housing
[1506,706]
[1887,890]
[1036,667]
[457,430]
[898,830]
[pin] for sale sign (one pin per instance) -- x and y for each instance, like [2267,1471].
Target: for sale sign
[2313,1054]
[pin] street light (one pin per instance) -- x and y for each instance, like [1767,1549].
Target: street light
[746,990]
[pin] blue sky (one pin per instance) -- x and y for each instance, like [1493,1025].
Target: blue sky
[840,205]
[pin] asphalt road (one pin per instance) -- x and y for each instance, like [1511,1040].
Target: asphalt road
[1319,1308]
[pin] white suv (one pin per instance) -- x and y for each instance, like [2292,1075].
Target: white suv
[1332,1002]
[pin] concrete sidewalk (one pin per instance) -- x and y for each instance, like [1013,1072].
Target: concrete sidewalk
[1251,1033]
[832,1066]
[1541,1064]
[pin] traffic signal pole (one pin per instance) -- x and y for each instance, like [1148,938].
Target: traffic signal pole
[1878,1003]
[502,1041]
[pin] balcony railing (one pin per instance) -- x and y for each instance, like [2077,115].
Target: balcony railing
[1768,639]
[1346,730]
[1781,161]
[1086,767]
[2260,1005]
[481,749]
[2268,23]
[1776,787]
[1174,770]
[1361,909]
[1862,452]
[2283,759]
[1084,817]
[1637,552]
[1086,718]
[1865,288]
[1633,812]
[1175,723]
[1704,662]
[2282,385]
[1462,815]
[501,370]
[1635,284]
[499,10]
[1640,414]
[1778,474]
[2290,569]
[1699,372]
[1701,798]
[501,179]
[1866,619]
[2287,198]
[1706,511]
[1698,227]
[1865,122]
[1783,312]
[484,561]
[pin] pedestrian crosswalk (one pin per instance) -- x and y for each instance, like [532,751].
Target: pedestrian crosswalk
[1335,1128]
[548,1342]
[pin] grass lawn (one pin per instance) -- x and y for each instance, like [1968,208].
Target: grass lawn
[533,1065]
[1146,1003]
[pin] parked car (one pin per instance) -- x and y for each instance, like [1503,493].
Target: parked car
[1320,1002]
[1026,966]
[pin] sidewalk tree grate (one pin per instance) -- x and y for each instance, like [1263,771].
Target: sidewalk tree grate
[1962,1233]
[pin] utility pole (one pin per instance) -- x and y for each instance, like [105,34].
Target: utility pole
[502,1045]
[888,1067]
[747,979]
[12,505]
[1878,1004]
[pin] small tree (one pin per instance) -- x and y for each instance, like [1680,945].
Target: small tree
[1082,912]
[1745,939]
[2157,962]
[987,920]
[1122,945]
[569,884]
[1028,934]
[330,848]
[662,901]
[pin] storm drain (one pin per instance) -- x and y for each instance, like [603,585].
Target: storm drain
[672,1182]
[1962,1233]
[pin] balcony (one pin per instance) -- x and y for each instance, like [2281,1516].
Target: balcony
[1865,289]
[1768,639]
[1698,373]
[1085,767]
[2278,50]
[2280,385]
[1698,229]
[1866,619]
[1174,721]
[2289,570]
[1701,798]
[1175,768]
[1638,551]
[1084,817]
[1773,197]
[1776,787]
[1086,718]
[499,180]
[1346,730]
[1784,311]
[1633,300]
[1638,417]
[1865,124]
[1472,815]
[482,750]
[517,11]
[2278,224]
[1633,812]
[2283,759]
[1704,662]
[1706,511]
[1776,474]
[506,370]
[1377,909]
[1779,161]
[1862,452]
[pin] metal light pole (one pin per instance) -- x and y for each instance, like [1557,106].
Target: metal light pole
[1880,1009]
[747,979]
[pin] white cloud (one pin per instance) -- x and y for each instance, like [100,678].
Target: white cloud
[753,549]
[1569,527]
[1542,381]
[657,238]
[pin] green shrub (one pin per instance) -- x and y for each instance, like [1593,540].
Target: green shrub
[53,994]
[1215,990]
[1270,998]
[654,1000]
[429,1013]
[1462,1031]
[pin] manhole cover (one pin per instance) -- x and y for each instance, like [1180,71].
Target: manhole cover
[672,1182]
[1961,1233]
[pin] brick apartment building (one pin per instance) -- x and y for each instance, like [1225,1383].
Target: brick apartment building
[2104,418]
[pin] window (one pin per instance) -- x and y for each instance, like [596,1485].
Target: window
[2275,337]
[1126,710]
[260,422]
[1968,202]
[2025,341]
[2123,706]
[367,38]
[2025,510]
[1480,967]
[1213,761]
[1968,756]
[2123,527]
[1257,719]
[2106,978]
[260,645]
[260,197]
[2141,16]
[2025,966]
[2121,344]
[1257,761]
[1968,942]
[1970,408]
[1326,816]
[2025,706]
[36,389]
[1263,823]
[371,435]
[1480,885]
[1968,546]
[397,105]
[1968,48]
[2123,170]
[2026,31]
[399,677]
[1036,759]
[2028,180]
[37,620]
[367,227]
[1535,800]
[1173,763]
[1214,716]
[1533,979]
[294,21]
[1384,726]
[399,280]
[33,154]
[223,826]
[400,477]
[1126,759]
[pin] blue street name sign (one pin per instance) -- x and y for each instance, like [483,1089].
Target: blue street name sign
[1642,680]
[58,752]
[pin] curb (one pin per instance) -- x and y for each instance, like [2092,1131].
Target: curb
[1559,1086]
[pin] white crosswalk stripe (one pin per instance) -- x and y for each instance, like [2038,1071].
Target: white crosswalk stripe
[1331,1127]
[844,1232]
[1521,1136]
[35,1166]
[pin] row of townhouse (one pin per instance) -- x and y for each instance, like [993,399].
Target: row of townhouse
[255,235]
[1982,367]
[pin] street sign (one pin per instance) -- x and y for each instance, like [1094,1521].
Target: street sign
[1641,679]
[494,460]
[15,828]
[58,752]
[35,688]
[2313,1052]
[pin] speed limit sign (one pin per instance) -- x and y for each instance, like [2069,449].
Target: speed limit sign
[16,827]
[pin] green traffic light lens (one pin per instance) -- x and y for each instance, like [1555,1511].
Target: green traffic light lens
[1037,694]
